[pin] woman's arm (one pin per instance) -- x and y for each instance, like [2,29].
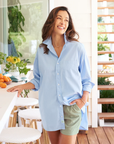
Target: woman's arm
[21,87]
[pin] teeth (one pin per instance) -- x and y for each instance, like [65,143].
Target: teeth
[61,27]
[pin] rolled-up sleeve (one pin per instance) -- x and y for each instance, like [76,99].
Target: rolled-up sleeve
[36,79]
[84,69]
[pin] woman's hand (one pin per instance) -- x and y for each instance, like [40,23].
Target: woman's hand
[79,103]
[18,88]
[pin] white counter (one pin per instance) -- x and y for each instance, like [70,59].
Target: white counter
[7,102]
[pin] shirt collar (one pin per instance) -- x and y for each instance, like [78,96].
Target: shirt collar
[48,42]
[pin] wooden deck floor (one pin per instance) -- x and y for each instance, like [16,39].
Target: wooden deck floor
[100,135]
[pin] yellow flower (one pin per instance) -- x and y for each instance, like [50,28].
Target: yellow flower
[14,60]
[18,59]
[8,58]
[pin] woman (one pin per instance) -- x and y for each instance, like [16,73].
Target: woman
[62,76]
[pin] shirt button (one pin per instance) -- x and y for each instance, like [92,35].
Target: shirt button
[57,63]
[60,105]
[57,73]
[59,95]
[61,116]
[58,84]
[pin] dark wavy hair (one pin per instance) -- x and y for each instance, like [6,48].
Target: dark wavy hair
[49,26]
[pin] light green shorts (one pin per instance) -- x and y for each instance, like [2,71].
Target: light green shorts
[72,119]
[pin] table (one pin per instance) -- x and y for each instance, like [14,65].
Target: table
[7,102]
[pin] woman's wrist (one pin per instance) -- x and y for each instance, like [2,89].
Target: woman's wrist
[85,96]
[83,101]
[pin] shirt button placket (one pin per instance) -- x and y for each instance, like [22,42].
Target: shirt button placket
[59,92]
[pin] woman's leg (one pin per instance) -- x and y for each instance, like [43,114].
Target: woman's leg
[67,139]
[54,136]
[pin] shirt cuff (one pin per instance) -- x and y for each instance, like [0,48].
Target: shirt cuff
[88,87]
[33,81]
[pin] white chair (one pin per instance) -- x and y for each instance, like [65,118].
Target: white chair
[33,115]
[19,135]
[21,102]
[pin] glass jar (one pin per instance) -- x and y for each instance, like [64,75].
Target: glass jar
[14,70]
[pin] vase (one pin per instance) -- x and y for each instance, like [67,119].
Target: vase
[14,70]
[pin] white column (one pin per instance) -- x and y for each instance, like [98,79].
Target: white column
[94,63]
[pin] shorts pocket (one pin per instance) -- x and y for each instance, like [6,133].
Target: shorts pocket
[76,108]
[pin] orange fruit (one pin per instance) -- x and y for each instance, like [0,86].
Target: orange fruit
[1,76]
[3,85]
[5,78]
[9,78]
[1,80]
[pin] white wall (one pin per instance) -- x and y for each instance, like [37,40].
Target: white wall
[82,12]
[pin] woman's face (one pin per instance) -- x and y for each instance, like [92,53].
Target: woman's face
[61,22]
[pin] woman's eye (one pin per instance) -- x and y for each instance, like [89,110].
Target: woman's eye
[58,18]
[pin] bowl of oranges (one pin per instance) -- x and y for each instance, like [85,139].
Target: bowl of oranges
[4,81]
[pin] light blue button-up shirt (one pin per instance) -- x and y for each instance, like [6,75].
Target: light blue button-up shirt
[61,80]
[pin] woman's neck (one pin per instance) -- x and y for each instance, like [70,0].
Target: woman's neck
[58,40]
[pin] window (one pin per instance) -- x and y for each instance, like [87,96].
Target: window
[21,22]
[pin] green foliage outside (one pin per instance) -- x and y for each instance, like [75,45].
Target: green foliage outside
[102,47]
[106,94]
[2,57]
[100,19]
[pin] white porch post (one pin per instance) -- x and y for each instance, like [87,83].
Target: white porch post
[94,62]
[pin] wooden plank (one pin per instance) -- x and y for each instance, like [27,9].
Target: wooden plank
[105,23]
[105,87]
[105,42]
[105,63]
[106,115]
[105,16]
[105,74]
[105,100]
[83,131]
[105,32]
[92,138]
[105,0]
[105,52]
[105,8]
[82,139]
[101,136]
[110,134]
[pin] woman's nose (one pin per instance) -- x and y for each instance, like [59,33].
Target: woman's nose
[62,22]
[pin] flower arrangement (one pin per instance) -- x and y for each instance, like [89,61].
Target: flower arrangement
[14,63]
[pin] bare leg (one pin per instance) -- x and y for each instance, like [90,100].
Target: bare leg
[67,139]
[54,136]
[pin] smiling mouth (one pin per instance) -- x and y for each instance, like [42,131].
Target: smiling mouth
[61,27]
